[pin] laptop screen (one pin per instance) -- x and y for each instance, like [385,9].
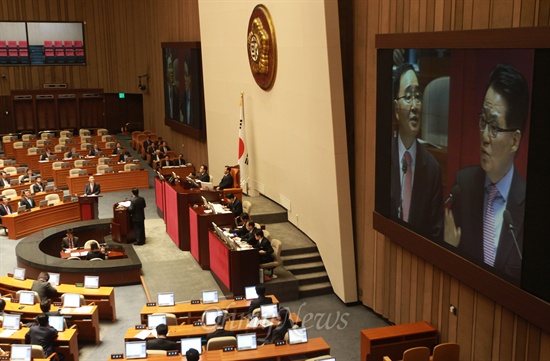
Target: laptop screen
[71,300]
[269,311]
[19,273]
[191,342]
[11,322]
[297,335]
[26,297]
[165,299]
[43,203]
[57,322]
[246,341]
[250,293]
[20,352]
[210,296]
[135,349]
[207,186]
[154,320]
[54,279]
[21,209]
[210,317]
[91,281]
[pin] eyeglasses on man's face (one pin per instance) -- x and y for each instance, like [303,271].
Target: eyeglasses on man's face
[493,128]
[410,95]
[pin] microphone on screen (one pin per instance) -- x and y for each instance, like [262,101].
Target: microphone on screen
[508,221]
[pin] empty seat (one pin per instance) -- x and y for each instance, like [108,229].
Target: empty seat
[53,198]
[65,134]
[417,354]
[34,150]
[74,172]
[85,146]
[102,168]
[110,145]
[10,193]
[88,244]
[447,351]
[60,148]
[102,131]
[64,140]
[43,142]
[46,135]
[130,167]
[27,137]
[10,170]
[104,160]
[57,165]
[17,145]
[218,343]
[106,138]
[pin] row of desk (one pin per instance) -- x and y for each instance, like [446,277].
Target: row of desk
[66,342]
[9,150]
[103,297]
[111,182]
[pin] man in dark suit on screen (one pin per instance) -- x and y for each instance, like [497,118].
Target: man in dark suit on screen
[171,91]
[485,222]
[416,194]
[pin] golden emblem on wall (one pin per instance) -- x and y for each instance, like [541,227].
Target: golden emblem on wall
[261,47]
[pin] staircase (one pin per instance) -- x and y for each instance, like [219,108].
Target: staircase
[307,266]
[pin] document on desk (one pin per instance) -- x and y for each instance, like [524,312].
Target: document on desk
[124,203]
[256,322]
[83,309]
[7,333]
[143,334]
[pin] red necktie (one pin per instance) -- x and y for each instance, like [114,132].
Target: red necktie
[71,245]
[407,187]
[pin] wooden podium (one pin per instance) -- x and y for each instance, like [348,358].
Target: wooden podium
[122,228]
[89,207]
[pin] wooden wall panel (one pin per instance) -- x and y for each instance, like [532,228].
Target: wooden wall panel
[484,329]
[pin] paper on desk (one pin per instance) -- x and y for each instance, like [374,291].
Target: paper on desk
[142,335]
[7,333]
[266,323]
[83,309]
[75,254]
[124,203]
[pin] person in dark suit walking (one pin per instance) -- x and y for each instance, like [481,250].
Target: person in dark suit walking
[44,289]
[92,188]
[137,212]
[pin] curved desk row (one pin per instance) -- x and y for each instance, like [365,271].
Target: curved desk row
[111,182]
[40,252]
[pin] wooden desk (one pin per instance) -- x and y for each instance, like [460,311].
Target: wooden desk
[181,172]
[199,223]
[87,322]
[103,297]
[188,330]
[20,225]
[194,312]
[14,202]
[314,347]
[392,341]
[33,160]
[111,182]
[82,253]
[66,342]
[60,175]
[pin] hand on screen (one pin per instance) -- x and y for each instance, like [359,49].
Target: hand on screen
[452,233]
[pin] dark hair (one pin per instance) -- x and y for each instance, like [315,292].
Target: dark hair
[42,319]
[44,275]
[94,246]
[228,167]
[284,313]
[45,305]
[192,355]
[221,320]
[509,83]
[135,191]
[229,196]
[162,329]
[244,216]
[259,232]
[2,304]
[403,68]
[260,289]
[205,167]
[252,224]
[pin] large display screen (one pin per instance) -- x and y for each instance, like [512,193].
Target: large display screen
[460,138]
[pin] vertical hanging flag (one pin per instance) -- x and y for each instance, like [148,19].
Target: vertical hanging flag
[243,151]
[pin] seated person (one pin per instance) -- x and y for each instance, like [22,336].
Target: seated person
[264,247]
[164,147]
[279,332]
[118,149]
[235,205]
[27,200]
[249,236]
[179,161]
[261,300]
[28,176]
[45,307]
[241,230]
[70,241]
[161,342]
[95,252]
[220,329]
[4,179]
[2,306]
[42,334]
[95,151]
[227,180]
[73,153]
[125,156]
[46,155]
[166,162]
[44,289]
[5,208]
[39,186]
[192,355]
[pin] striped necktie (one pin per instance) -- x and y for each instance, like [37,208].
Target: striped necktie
[489,227]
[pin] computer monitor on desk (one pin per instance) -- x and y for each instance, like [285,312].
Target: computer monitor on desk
[210,297]
[135,350]
[21,209]
[26,298]
[297,335]
[57,322]
[191,342]
[91,281]
[210,317]
[250,293]
[269,311]
[20,352]
[11,322]
[207,186]
[246,341]
[156,319]
[165,299]
[54,279]
[19,273]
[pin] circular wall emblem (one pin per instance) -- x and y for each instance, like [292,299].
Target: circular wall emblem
[261,47]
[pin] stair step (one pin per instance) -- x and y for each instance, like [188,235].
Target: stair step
[312,278]
[315,289]
[303,268]
[293,251]
[302,258]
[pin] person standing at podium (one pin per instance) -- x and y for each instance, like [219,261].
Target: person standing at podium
[137,212]
[92,188]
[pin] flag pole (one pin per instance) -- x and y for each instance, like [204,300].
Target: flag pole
[243,150]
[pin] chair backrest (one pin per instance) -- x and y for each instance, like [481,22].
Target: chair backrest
[96,259]
[101,168]
[85,139]
[8,138]
[85,146]
[83,132]
[58,147]
[104,160]
[57,165]
[267,235]
[53,198]
[319,358]
[10,193]
[256,312]
[74,172]
[88,244]
[65,134]
[171,319]
[110,145]
[10,170]
[153,136]
[73,258]
[64,140]
[79,163]
[435,114]
[218,343]
[27,137]
[277,248]
[36,296]
[32,150]
[417,354]
[446,352]
[82,299]
[236,174]
[247,207]
[46,135]
[17,145]
[43,142]
[37,352]
[128,167]
[102,131]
